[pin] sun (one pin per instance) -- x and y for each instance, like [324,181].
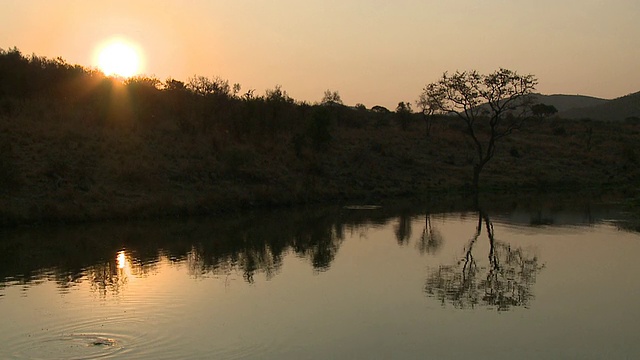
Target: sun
[119,57]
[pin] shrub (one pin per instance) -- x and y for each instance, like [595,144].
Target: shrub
[560,131]
[235,159]
[514,152]
[8,175]
[319,129]
[629,154]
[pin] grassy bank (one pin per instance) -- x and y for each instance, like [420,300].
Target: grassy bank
[77,146]
[58,168]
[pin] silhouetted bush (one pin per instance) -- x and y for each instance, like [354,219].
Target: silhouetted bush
[8,169]
[633,120]
[514,152]
[629,154]
[319,132]
[403,114]
[560,131]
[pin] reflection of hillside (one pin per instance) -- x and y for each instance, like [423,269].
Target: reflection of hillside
[249,244]
[505,282]
[631,224]
[546,215]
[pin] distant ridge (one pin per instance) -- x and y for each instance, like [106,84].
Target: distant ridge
[618,109]
[567,102]
[589,107]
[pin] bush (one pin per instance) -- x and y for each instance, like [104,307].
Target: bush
[236,159]
[560,131]
[8,175]
[629,154]
[514,152]
[319,129]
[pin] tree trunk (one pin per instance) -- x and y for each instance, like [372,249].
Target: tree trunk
[476,178]
[427,123]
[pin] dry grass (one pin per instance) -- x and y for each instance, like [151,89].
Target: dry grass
[62,165]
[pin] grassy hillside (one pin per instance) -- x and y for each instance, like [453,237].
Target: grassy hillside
[620,109]
[568,102]
[54,168]
[76,146]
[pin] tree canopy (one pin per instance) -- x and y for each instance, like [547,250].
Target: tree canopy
[500,100]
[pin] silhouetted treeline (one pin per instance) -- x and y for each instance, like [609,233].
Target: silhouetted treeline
[32,77]
[76,145]
[200,105]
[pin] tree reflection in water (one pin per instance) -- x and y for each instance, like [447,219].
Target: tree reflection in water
[403,229]
[108,255]
[431,239]
[109,276]
[506,282]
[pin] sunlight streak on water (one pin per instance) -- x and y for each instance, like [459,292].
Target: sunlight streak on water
[122,260]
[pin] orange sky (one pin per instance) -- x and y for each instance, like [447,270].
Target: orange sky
[372,51]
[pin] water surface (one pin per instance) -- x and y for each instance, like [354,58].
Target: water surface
[337,283]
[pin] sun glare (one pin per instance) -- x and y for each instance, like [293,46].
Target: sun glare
[120,58]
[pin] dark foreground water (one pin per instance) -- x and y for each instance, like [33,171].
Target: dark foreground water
[532,282]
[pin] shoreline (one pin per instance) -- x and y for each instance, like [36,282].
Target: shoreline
[77,213]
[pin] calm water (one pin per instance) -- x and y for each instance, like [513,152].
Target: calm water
[343,283]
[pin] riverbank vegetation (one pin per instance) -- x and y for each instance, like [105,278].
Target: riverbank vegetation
[76,145]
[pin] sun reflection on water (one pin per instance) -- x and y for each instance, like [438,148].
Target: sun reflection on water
[122,260]
[125,266]
[111,276]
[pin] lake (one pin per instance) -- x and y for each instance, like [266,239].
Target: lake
[512,281]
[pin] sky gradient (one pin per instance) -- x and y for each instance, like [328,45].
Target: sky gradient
[371,51]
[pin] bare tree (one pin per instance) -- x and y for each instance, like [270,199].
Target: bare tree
[500,100]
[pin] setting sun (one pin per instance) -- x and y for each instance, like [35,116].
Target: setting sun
[120,58]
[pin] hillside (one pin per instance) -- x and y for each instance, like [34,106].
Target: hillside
[78,146]
[618,109]
[59,167]
[567,102]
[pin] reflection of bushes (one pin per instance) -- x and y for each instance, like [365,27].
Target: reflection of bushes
[249,245]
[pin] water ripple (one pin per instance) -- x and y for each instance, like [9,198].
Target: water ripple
[73,346]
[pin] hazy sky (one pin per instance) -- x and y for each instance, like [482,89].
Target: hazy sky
[372,51]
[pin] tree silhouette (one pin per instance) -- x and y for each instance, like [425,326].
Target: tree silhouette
[403,113]
[428,107]
[331,98]
[492,106]
[506,282]
[543,110]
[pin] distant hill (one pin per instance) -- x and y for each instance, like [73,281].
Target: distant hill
[567,102]
[617,109]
